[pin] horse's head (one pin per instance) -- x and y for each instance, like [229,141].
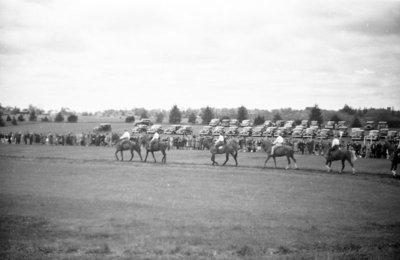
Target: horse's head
[266,145]
[143,140]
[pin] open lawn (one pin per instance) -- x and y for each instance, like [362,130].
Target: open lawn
[75,202]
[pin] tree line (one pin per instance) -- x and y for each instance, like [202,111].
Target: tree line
[354,117]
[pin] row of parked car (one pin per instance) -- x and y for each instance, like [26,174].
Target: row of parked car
[303,130]
[171,130]
[232,127]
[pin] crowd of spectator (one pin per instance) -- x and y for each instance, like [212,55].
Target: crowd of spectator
[376,149]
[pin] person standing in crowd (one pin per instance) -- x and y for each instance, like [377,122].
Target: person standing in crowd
[395,161]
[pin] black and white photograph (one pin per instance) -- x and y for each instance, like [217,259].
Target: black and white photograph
[172,129]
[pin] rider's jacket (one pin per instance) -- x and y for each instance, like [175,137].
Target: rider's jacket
[126,135]
[156,136]
[221,138]
[335,141]
[279,140]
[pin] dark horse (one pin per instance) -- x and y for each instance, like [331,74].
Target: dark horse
[279,151]
[127,145]
[155,147]
[231,147]
[342,155]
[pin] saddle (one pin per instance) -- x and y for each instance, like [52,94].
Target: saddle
[154,146]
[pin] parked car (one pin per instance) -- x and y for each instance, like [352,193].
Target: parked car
[185,130]
[280,123]
[373,135]
[324,133]
[301,127]
[246,131]
[246,123]
[206,130]
[280,130]
[104,127]
[340,123]
[225,122]
[330,125]
[218,129]
[369,125]
[172,129]
[268,123]
[383,132]
[310,132]
[140,129]
[357,134]
[214,122]
[392,135]
[382,124]
[297,133]
[289,124]
[270,131]
[155,128]
[258,130]
[234,122]
[144,121]
[232,131]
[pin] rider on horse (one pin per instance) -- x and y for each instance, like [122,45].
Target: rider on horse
[155,139]
[278,142]
[221,140]
[335,144]
[125,136]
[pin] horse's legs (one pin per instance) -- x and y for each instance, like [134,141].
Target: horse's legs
[213,159]
[326,164]
[147,153]
[122,156]
[342,166]
[235,157]
[352,165]
[227,158]
[131,155]
[295,162]
[265,164]
[273,157]
[140,154]
[288,160]
[116,155]
[164,159]
[152,153]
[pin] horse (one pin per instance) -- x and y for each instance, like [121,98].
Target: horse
[279,151]
[155,147]
[127,145]
[342,155]
[231,147]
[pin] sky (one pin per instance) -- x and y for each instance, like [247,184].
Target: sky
[114,54]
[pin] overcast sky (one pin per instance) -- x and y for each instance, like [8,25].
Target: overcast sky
[101,54]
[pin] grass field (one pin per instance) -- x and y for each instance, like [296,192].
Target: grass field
[80,203]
